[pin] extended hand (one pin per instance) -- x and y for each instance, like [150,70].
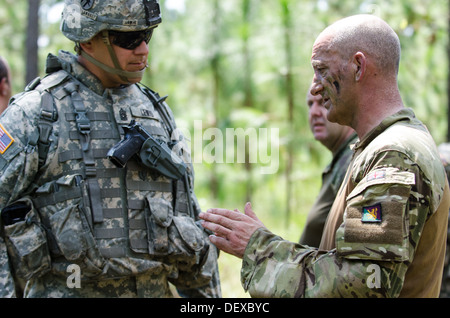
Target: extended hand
[232,229]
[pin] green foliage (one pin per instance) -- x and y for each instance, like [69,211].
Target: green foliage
[227,64]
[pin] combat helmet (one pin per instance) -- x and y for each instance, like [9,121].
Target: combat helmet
[84,19]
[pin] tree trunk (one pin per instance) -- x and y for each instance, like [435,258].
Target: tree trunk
[215,67]
[32,41]
[287,20]
[248,90]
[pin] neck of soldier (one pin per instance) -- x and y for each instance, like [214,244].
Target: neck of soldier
[377,101]
[3,103]
[107,79]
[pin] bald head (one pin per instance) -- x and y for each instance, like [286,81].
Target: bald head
[367,34]
[356,63]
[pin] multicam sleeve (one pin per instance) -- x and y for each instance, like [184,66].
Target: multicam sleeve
[273,267]
[383,221]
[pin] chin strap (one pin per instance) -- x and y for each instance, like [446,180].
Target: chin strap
[124,75]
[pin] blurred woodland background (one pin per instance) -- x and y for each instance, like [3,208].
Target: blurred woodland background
[246,64]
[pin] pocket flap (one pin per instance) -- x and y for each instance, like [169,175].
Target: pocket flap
[161,210]
[190,233]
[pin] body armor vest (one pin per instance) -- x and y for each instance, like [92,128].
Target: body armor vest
[111,222]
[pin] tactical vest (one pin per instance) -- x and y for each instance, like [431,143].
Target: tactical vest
[111,222]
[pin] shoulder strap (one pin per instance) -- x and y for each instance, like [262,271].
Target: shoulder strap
[160,105]
[48,112]
[84,129]
[166,114]
[48,115]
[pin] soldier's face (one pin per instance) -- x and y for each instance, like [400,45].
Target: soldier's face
[331,82]
[130,60]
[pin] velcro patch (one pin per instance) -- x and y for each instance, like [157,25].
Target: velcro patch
[372,214]
[5,140]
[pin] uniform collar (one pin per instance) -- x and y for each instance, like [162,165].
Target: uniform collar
[405,114]
[70,64]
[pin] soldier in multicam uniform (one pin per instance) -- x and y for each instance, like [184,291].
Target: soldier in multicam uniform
[74,224]
[338,139]
[386,233]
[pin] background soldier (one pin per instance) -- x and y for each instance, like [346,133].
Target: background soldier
[5,84]
[74,224]
[338,139]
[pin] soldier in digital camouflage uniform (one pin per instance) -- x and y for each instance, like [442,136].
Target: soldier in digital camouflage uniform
[386,233]
[73,223]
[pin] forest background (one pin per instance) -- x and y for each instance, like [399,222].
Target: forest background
[245,65]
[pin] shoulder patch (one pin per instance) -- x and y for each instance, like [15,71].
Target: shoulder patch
[371,214]
[5,140]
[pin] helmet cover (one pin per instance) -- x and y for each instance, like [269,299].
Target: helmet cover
[83,19]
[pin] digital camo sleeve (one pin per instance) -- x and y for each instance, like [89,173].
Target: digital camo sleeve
[7,287]
[210,268]
[18,164]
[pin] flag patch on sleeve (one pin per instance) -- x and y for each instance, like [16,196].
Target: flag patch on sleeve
[372,214]
[5,140]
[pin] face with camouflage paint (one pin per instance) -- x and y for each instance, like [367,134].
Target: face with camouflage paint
[333,82]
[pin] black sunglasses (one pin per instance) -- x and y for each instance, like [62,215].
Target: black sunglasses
[130,40]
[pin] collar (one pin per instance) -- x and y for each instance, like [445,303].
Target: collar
[70,64]
[347,144]
[405,114]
